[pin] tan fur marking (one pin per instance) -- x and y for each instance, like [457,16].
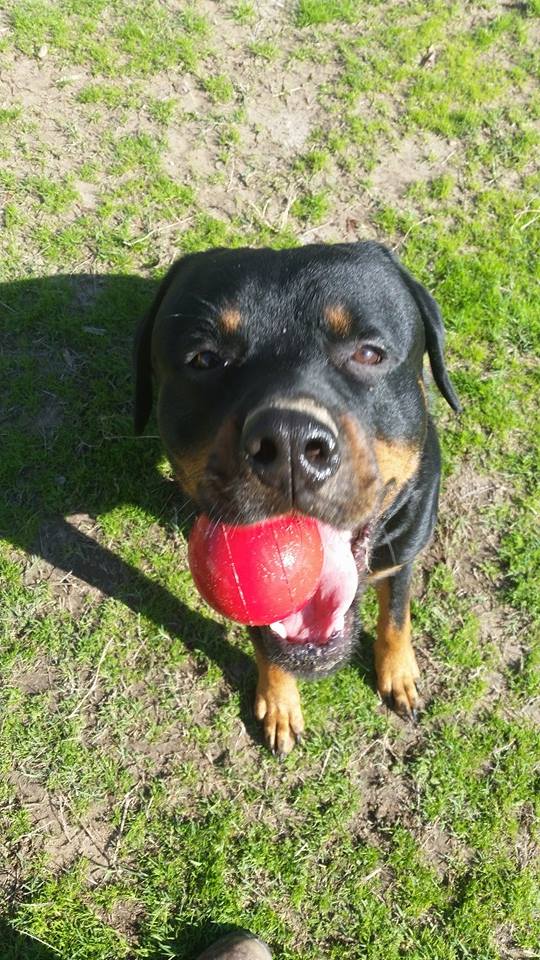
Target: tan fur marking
[397,463]
[304,404]
[277,704]
[390,634]
[229,319]
[190,469]
[395,662]
[338,319]
[191,466]
[363,465]
[382,574]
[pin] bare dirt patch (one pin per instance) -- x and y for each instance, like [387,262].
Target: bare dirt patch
[39,677]
[442,851]
[125,916]
[467,540]
[63,842]
[465,519]
[412,160]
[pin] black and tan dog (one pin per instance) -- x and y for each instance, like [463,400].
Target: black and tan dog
[292,380]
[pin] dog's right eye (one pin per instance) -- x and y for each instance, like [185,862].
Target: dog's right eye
[207,360]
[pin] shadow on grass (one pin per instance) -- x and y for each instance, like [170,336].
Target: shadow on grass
[68,447]
[15,946]
[187,945]
[68,452]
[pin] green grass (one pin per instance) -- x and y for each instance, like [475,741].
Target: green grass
[220,89]
[140,815]
[313,12]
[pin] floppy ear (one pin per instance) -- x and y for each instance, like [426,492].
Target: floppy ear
[143,353]
[434,331]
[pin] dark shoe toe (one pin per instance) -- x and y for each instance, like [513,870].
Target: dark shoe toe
[237,946]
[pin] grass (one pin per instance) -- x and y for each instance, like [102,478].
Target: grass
[314,12]
[140,815]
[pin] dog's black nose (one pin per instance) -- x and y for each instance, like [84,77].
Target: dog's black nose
[287,447]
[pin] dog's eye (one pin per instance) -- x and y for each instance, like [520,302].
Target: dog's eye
[207,360]
[367,354]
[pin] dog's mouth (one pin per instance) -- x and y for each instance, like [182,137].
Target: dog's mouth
[320,636]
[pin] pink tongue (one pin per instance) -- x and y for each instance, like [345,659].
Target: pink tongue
[324,614]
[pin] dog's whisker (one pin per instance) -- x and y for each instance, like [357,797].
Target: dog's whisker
[388,542]
[211,306]
[189,516]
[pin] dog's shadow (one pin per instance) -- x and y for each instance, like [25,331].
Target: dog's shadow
[17,946]
[69,453]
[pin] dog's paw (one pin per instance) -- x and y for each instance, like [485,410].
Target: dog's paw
[278,706]
[397,673]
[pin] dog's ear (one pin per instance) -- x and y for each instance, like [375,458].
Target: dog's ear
[143,352]
[434,332]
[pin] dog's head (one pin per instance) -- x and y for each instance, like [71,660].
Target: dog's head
[292,381]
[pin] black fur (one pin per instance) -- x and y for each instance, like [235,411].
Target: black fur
[284,352]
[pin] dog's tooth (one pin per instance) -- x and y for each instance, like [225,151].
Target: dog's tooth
[279,628]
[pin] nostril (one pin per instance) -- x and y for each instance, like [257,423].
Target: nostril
[317,451]
[263,451]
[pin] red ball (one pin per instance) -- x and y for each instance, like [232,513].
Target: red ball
[259,573]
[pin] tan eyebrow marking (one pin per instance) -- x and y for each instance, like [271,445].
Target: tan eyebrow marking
[338,319]
[229,319]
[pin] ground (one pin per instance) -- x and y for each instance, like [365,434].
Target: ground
[140,814]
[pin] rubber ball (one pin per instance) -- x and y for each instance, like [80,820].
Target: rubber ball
[259,573]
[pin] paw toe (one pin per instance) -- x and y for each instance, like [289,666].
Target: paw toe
[397,689]
[282,722]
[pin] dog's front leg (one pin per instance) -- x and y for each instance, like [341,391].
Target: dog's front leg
[277,704]
[395,662]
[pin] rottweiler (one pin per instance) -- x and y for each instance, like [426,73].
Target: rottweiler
[292,380]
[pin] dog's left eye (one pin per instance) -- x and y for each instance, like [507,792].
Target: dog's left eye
[207,360]
[368,354]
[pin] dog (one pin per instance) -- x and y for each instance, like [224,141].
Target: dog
[292,380]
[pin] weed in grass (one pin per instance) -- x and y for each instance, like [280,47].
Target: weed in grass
[162,111]
[109,94]
[53,197]
[229,136]
[264,49]
[9,114]
[137,151]
[314,12]
[312,207]
[219,89]
[316,161]
[244,12]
